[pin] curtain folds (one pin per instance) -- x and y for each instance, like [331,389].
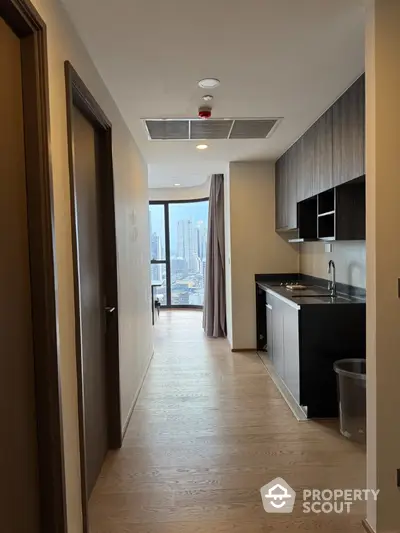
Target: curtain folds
[214,317]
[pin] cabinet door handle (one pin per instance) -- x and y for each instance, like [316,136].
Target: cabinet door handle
[268,306]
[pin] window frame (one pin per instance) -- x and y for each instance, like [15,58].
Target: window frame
[167,260]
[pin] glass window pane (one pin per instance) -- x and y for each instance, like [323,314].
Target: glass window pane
[159,275]
[188,224]
[157,232]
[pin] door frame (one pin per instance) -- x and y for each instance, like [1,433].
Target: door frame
[26,23]
[79,96]
[167,260]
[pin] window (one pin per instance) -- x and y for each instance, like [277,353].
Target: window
[178,244]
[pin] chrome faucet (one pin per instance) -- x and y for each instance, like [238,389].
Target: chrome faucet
[332,282]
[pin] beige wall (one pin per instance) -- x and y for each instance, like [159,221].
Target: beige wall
[255,246]
[181,193]
[383,262]
[132,240]
[349,259]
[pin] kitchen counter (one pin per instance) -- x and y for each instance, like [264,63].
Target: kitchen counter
[295,297]
[304,332]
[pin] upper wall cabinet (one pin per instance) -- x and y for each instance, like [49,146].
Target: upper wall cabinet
[329,154]
[349,134]
[281,193]
[285,193]
[305,165]
[314,161]
[323,152]
[292,179]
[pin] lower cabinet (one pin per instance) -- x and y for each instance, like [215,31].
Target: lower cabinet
[283,342]
[278,352]
[303,344]
[269,330]
[291,351]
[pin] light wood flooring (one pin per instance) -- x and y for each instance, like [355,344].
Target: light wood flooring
[208,431]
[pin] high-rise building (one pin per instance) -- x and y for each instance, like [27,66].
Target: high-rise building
[155,252]
[186,244]
[180,241]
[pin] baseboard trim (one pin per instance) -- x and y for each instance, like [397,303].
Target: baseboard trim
[367,527]
[135,399]
[235,350]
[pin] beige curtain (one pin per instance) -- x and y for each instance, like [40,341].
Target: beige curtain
[214,316]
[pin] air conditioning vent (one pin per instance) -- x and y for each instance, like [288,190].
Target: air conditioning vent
[210,129]
[251,129]
[214,128]
[162,130]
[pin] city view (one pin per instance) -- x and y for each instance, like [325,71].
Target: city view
[188,226]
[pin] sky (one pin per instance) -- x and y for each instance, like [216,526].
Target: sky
[194,211]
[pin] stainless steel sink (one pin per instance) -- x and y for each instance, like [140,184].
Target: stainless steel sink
[309,293]
[322,297]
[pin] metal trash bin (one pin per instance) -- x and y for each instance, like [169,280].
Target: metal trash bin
[352,393]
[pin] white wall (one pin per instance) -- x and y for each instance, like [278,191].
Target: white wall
[181,193]
[255,246]
[349,259]
[131,195]
[383,262]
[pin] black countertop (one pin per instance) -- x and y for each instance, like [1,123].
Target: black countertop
[346,294]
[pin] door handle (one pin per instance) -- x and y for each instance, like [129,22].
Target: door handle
[110,310]
[268,306]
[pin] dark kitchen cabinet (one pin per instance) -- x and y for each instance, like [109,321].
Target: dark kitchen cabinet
[285,193]
[329,154]
[280,193]
[305,185]
[323,153]
[292,179]
[305,340]
[349,134]
[337,214]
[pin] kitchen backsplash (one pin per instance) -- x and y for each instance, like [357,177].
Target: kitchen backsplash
[349,258]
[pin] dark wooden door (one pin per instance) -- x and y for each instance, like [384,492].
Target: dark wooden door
[349,134]
[281,193]
[323,150]
[292,178]
[305,185]
[19,492]
[92,301]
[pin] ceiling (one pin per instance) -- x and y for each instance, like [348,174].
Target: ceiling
[275,58]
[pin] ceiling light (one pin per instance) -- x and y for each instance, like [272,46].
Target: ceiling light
[202,146]
[177,184]
[209,83]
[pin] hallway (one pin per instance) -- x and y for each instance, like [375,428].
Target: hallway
[208,431]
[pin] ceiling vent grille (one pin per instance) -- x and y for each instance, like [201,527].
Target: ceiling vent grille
[198,129]
[162,130]
[251,129]
[210,129]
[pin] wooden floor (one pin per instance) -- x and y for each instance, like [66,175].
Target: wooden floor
[208,431]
